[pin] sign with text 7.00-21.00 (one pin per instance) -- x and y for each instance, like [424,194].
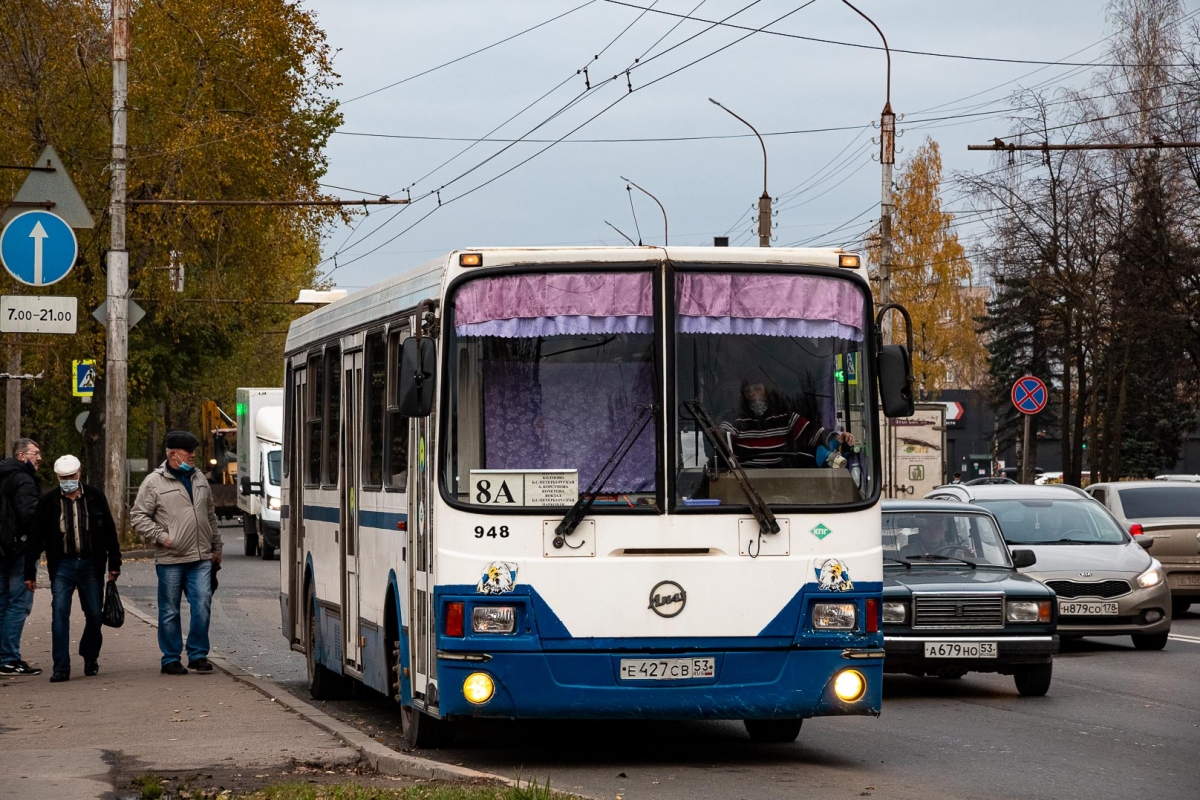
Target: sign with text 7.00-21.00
[38,314]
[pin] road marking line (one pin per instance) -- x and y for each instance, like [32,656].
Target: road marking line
[1179,637]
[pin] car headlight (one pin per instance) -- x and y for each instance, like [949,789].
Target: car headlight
[834,616]
[894,613]
[1028,611]
[273,503]
[1151,577]
[493,619]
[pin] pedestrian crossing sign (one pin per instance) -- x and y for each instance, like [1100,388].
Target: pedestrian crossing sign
[85,378]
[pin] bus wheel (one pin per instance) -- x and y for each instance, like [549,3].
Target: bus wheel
[323,684]
[420,730]
[249,534]
[777,731]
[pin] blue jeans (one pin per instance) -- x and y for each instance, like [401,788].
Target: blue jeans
[73,574]
[15,604]
[195,578]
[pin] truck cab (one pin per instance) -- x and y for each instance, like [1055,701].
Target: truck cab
[260,458]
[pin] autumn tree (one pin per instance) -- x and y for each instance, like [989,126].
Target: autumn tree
[226,101]
[932,278]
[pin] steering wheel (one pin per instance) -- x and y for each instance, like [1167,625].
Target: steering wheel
[951,550]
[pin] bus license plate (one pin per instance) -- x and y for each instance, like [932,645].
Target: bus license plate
[1085,608]
[960,650]
[666,669]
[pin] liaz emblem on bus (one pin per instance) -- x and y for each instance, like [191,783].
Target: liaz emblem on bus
[667,599]
[834,576]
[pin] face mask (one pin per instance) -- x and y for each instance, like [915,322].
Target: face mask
[185,467]
[758,407]
[69,487]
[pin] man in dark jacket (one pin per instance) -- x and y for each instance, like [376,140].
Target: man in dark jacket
[74,526]
[20,490]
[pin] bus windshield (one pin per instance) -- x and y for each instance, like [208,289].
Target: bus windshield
[549,372]
[776,361]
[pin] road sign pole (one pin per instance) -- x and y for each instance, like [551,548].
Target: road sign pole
[1026,461]
[116,368]
[12,407]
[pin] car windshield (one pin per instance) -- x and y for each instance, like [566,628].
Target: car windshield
[925,537]
[1153,502]
[1029,521]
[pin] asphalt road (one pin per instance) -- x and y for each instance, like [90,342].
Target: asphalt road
[1116,723]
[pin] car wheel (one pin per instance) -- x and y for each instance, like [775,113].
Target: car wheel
[1149,641]
[1033,680]
[773,731]
[1180,605]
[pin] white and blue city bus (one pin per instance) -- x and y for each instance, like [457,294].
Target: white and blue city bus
[512,488]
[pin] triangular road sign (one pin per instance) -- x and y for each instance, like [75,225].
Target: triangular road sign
[55,187]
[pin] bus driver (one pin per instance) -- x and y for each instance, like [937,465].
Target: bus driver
[767,437]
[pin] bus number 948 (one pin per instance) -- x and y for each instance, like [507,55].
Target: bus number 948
[492,532]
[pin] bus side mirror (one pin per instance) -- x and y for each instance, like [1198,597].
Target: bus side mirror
[895,381]
[417,359]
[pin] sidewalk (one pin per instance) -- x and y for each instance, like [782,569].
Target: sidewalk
[70,740]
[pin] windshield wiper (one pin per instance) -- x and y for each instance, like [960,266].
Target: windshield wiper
[907,564]
[939,557]
[758,507]
[577,512]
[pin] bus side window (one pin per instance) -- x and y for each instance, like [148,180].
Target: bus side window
[333,415]
[316,401]
[396,432]
[375,396]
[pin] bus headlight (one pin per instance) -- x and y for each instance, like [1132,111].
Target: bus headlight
[894,613]
[493,619]
[479,687]
[849,685]
[834,616]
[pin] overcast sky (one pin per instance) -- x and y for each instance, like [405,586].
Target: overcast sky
[419,133]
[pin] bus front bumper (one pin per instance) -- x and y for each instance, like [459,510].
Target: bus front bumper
[757,684]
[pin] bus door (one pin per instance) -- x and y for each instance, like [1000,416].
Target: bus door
[422,641]
[348,491]
[291,555]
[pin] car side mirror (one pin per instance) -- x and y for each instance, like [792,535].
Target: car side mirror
[1145,541]
[251,487]
[1023,558]
[245,484]
[417,359]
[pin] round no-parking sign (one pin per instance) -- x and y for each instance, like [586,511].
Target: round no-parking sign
[1029,395]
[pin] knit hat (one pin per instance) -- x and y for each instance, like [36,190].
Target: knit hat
[66,465]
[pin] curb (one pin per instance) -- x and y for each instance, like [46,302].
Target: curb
[382,758]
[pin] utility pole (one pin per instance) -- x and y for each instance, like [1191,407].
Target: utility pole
[764,202]
[116,363]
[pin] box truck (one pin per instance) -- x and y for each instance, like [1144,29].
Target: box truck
[260,459]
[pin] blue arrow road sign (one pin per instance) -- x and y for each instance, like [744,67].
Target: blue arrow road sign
[38,248]
[1029,395]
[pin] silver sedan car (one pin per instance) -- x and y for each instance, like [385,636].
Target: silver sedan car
[1106,582]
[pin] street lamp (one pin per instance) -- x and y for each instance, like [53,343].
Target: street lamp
[887,157]
[655,199]
[764,202]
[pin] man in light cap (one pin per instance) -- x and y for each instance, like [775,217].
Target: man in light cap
[174,512]
[74,526]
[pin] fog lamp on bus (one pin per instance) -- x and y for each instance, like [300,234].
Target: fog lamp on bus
[479,687]
[1028,610]
[894,613]
[834,616]
[849,685]
[493,619]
